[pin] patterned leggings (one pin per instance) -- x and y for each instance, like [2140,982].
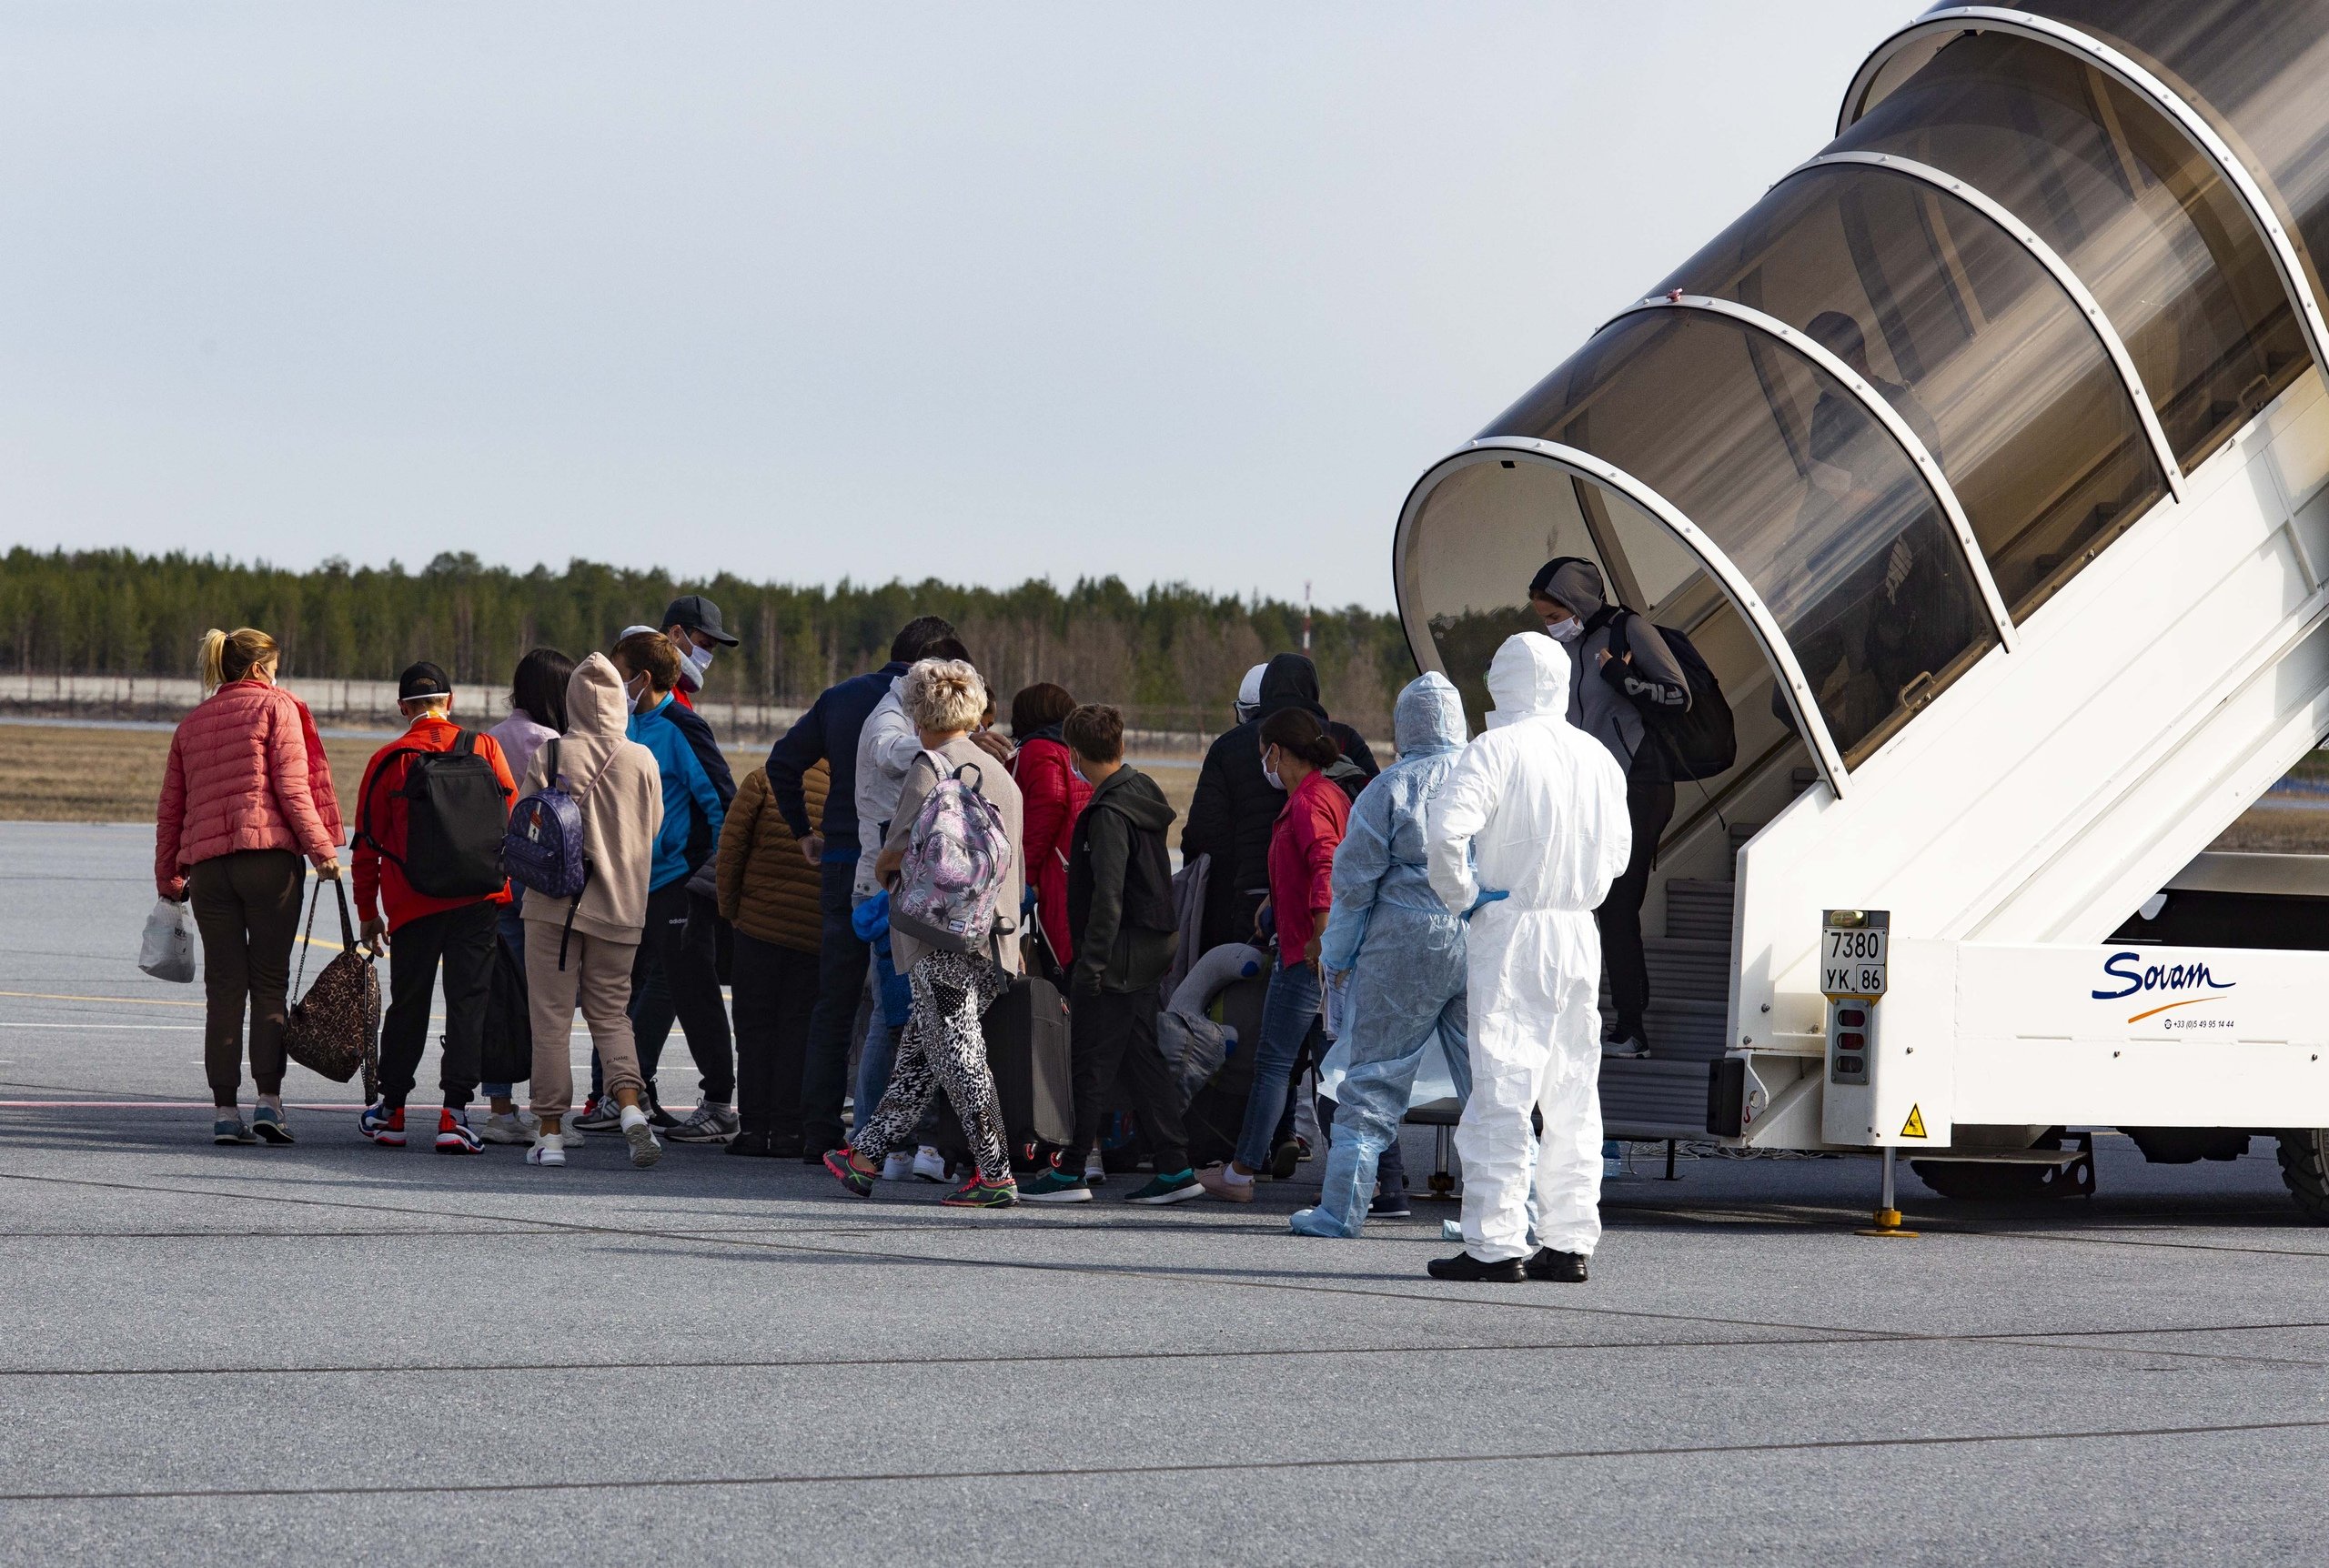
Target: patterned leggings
[942,1044]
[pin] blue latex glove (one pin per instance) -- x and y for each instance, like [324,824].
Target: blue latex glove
[1487,896]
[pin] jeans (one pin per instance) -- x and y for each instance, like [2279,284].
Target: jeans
[463,937]
[841,982]
[775,992]
[875,1058]
[246,907]
[1290,1023]
[1650,807]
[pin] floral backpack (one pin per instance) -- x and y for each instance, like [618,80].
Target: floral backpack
[956,862]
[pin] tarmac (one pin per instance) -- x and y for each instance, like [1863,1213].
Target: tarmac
[336,1351]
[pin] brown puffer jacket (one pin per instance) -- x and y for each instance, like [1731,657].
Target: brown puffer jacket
[766,889]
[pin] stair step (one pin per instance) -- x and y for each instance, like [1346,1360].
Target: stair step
[1680,1030]
[1698,910]
[1653,1098]
[1739,833]
[1694,970]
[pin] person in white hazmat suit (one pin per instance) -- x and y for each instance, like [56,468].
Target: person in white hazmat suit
[1402,949]
[1525,839]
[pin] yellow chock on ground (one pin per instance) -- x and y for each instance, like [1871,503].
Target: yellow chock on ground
[1887,1223]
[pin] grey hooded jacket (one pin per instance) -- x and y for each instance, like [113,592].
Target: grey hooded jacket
[1606,698]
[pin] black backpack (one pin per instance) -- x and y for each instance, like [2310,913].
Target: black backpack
[456,813]
[1701,740]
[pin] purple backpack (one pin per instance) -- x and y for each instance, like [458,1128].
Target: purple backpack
[957,860]
[543,849]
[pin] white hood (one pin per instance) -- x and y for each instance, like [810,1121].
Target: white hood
[1528,678]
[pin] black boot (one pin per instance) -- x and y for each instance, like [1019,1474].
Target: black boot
[751,1145]
[1564,1267]
[1472,1271]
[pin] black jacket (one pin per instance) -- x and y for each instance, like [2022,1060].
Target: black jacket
[1120,886]
[1234,808]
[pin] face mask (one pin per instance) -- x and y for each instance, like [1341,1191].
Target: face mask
[694,666]
[638,693]
[1270,773]
[1078,769]
[1565,632]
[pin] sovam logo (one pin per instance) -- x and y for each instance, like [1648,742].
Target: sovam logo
[2138,979]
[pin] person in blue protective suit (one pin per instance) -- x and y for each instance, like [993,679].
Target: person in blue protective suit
[1402,949]
[1525,838]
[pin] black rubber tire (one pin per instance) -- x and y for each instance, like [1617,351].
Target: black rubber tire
[2305,1171]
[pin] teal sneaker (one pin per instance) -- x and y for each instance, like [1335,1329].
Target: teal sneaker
[229,1129]
[1057,1186]
[1177,1187]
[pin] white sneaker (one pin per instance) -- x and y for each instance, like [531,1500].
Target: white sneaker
[929,1164]
[510,1127]
[897,1167]
[1629,1049]
[1095,1170]
[645,1147]
[550,1149]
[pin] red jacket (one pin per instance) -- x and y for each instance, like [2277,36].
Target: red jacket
[1051,797]
[1302,862]
[246,771]
[378,878]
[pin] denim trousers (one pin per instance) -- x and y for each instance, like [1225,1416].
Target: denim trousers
[1289,1022]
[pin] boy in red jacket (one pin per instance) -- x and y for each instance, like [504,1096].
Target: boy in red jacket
[420,928]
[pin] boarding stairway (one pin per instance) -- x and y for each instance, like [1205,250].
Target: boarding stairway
[2042,798]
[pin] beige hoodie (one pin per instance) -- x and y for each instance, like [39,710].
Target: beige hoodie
[616,784]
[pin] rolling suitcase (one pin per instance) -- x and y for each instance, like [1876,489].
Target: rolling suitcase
[1027,1051]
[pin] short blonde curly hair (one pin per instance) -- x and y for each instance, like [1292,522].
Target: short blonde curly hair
[943,694]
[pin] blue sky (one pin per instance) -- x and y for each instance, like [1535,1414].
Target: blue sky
[984,291]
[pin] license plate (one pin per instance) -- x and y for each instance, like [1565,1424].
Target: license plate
[1852,960]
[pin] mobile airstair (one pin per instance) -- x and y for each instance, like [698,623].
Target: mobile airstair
[1986,462]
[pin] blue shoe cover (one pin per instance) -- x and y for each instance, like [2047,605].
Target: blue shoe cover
[1318,1222]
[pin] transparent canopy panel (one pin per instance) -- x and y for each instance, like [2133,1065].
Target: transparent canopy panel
[1808,495]
[1983,354]
[2123,197]
[2255,69]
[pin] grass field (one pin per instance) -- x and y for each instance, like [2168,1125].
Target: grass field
[72,773]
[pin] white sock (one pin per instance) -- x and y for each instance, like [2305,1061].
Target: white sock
[551,1140]
[1230,1174]
[632,1116]
[274,1100]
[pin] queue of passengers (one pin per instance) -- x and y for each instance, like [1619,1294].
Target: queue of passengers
[900,862]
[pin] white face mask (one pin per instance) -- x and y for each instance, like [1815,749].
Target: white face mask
[637,689]
[1565,632]
[1270,773]
[695,665]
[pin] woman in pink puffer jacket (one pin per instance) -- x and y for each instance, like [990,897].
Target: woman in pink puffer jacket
[246,803]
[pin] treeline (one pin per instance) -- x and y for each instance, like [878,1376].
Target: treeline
[1171,656]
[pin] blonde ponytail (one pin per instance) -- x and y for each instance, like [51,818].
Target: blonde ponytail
[229,657]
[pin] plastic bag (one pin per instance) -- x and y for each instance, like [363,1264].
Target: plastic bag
[168,951]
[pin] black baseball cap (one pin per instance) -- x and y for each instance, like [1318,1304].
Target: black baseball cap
[423,680]
[696,613]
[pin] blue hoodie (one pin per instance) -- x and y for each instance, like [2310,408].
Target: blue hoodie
[694,804]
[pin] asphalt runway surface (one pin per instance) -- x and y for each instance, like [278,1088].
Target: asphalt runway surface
[336,1351]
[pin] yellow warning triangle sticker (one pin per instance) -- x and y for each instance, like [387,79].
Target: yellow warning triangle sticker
[1914,1127]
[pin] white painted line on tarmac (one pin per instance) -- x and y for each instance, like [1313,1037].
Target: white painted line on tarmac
[103,1026]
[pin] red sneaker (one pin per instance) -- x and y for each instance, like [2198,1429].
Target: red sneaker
[382,1125]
